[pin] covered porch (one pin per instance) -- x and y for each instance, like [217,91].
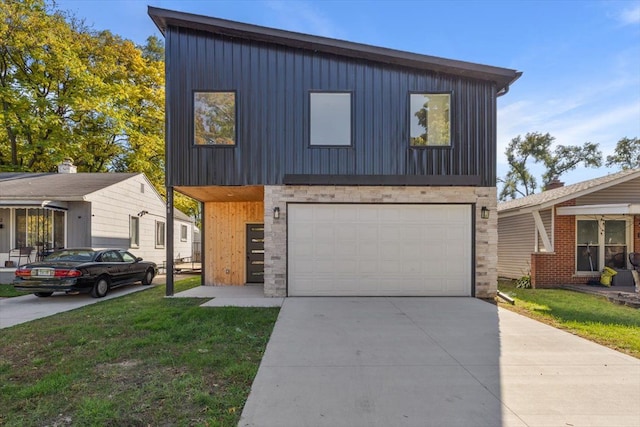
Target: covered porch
[29,231]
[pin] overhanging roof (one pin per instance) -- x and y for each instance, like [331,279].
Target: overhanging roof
[502,77]
[56,186]
[553,197]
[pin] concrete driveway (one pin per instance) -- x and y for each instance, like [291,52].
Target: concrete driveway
[26,308]
[434,362]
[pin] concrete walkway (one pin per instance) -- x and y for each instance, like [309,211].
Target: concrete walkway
[434,362]
[26,308]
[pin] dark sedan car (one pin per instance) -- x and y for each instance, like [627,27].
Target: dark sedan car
[83,270]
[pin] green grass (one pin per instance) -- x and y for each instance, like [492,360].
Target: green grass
[137,360]
[7,291]
[589,316]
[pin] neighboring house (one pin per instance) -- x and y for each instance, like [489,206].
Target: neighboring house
[327,167]
[567,235]
[44,211]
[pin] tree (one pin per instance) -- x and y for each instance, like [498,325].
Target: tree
[69,91]
[626,154]
[536,147]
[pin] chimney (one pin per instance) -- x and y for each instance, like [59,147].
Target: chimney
[67,166]
[554,183]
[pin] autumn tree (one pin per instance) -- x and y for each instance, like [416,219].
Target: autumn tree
[626,154]
[535,147]
[69,91]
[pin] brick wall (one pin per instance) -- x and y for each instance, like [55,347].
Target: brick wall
[552,269]
[548,270]
[486,234]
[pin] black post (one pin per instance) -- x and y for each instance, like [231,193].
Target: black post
[169,272]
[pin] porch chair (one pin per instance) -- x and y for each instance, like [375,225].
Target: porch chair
[24,252]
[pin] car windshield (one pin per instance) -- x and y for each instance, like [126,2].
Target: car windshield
[72,255]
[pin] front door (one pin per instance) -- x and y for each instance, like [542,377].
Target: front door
[255,253]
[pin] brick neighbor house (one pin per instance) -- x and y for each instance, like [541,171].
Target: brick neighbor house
[567,235]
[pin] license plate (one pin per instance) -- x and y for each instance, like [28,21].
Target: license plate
[42,272]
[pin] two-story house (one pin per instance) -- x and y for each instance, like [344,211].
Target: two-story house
[327,167]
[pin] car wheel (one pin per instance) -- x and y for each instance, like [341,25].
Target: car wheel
[100,288]
[148,277]
[43,294]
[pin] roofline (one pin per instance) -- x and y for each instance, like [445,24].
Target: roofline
[164,18]
[551,203]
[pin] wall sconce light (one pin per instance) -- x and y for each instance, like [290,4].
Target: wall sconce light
[484,213]
[142,213]
[276,213]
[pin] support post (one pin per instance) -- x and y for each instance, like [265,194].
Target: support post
[169,285]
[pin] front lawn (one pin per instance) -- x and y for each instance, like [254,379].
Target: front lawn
[589,316]
[7,291]
[137,360]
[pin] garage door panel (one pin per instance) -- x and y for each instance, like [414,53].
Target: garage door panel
[379,249]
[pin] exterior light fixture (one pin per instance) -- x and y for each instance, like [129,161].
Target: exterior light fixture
[484,213]
[142,213]
[276,213]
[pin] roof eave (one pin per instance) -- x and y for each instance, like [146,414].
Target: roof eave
[503,77]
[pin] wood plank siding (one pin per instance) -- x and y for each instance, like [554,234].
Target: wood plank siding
[224,242]
[272,84]
[516,239]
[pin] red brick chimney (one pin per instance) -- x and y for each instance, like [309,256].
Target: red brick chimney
[554,183]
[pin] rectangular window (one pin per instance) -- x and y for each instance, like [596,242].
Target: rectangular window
[134,232]
[602,242]
[430,119]
[214,118]
[330,119]
[587,253]
[183,233]
[159,234]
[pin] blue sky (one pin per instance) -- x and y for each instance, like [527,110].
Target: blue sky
[581,59]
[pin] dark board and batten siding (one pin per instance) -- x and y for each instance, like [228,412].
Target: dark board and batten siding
[272,84]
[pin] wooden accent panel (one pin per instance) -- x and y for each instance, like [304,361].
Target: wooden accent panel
[225,240]
[212,193]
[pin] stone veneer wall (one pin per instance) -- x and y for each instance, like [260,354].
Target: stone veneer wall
[275,230]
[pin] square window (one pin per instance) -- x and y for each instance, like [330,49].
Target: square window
[159,234]
[330,119]
[430,119]
[214,115]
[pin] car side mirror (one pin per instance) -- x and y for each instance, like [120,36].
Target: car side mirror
[138,259]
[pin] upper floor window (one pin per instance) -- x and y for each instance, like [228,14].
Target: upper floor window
[330,119]
[430,119]
[214,115]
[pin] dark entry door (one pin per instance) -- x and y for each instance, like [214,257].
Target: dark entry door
[255,253]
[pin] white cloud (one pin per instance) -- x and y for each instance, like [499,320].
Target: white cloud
[630,16]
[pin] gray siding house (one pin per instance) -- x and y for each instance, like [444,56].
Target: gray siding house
[40,212]
[327,167]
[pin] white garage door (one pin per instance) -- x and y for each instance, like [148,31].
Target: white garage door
[368,250]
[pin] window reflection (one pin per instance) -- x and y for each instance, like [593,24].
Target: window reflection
[430,122]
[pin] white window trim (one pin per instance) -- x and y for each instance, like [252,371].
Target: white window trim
[601,244]
[132,243]
[162,244]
